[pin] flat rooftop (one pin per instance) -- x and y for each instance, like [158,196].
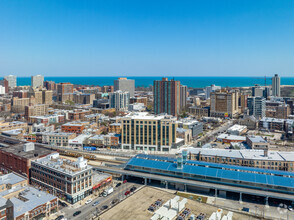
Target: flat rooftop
[146,116]
[17,148]
[70,167]
[11,178]
[231,137]
[30,199]
[243,154]
[256,139]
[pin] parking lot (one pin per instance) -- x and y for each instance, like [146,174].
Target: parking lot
[136,206]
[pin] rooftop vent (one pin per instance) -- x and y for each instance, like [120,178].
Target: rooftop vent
[28,147]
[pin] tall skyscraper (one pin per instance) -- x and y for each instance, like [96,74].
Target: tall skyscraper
[119,100]
[256,106]
[167,95]
[11,80]
[37,81]
[276,85]
[183,96]
[125,85]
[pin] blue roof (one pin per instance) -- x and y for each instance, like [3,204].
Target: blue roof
[236,173]
[220,166]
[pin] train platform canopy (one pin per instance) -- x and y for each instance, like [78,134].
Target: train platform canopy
[205,170]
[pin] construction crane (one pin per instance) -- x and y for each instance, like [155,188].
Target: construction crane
[265,78]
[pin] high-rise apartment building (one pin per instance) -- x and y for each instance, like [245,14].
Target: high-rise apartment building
[209,89]
[256,106]
[119,100]
[35,110]
[125,85]
[141,131]
[37,81]
[47,97]
[167,96]
[183,96]
[260,91]
[64,92]
[18,104]
[11,81]
[50,85]
[243,101]
[224,103]
[276,85]
[34,92]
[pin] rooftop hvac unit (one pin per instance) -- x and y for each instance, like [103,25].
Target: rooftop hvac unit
[28,147]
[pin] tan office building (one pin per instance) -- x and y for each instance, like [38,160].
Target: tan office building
[224,103]
[141,131]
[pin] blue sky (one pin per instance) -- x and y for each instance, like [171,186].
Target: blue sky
[145,38]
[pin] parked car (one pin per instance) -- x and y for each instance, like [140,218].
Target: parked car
[245,209]
[104,207]
[88,201]
[95,203]
[117,185]
[127,193]
[125,181]
[133,189]
[290,208]
[77,213]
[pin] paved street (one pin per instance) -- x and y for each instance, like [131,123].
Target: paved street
[89,211]
[210,135]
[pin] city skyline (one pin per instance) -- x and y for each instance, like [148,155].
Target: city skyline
[98,38]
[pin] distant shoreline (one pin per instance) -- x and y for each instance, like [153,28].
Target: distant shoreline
[141,81]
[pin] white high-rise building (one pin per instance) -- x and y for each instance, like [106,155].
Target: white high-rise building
[11,80]
[37,81]
[209,89]
[276,85]
[119,100]
[125,85]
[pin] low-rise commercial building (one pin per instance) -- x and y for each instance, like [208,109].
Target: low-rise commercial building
[237,129]
[24,202]
[69,180]
[275,160]
[257,142]
[196,127]
[199,111]
[78,141]
[73,128]
[228,138]
[59,139]
[18,157]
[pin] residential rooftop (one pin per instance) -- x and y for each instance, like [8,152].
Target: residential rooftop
[29,199]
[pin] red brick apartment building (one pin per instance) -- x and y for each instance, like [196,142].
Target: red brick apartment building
[73,128]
